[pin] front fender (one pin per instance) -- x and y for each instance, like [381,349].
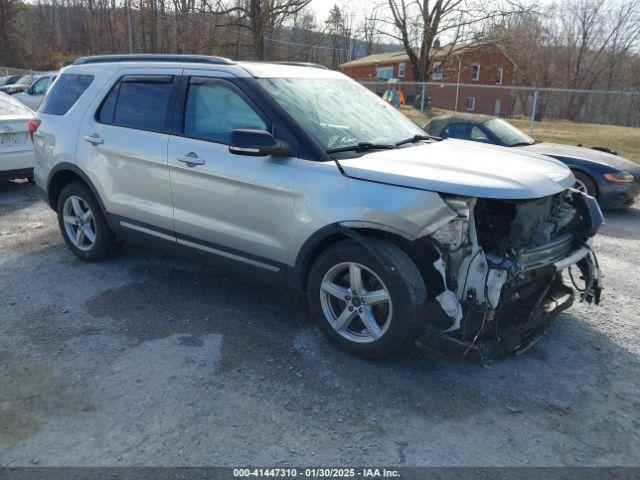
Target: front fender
[324,197]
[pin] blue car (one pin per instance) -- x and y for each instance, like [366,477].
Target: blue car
[614,181]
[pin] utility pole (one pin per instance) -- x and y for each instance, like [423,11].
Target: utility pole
[130,33]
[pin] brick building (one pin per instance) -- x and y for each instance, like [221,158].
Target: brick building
[457,70]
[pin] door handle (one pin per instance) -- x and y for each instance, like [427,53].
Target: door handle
[94,139]
[190,159]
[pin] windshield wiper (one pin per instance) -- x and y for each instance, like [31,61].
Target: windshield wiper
[521,144]
[361,147]
[415,138]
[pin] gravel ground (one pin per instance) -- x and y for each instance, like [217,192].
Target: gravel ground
[150,359]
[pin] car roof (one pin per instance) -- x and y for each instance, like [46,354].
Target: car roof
[287,70]
[254,69]
[437,124]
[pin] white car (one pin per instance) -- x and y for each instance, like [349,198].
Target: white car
[32,96]
[16,148]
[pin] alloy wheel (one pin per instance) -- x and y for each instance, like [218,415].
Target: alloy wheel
[356,302]
[580,186]
[79,223]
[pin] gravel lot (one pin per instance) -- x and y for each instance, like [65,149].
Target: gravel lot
[150,359]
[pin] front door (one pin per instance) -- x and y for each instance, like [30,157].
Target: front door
[231,205]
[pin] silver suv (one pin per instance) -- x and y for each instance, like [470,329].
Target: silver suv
[300,173]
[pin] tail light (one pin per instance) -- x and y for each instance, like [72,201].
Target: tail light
[33,126]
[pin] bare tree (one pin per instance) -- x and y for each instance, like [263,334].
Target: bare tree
[369,30]
[418,23]
[597,37]
[260,17]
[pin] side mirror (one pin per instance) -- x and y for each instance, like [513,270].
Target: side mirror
[257,143]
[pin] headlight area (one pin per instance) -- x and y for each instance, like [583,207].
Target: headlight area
[621,176]
[452,235]
[501,264]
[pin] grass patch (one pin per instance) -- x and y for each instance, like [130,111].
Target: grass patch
[624,140]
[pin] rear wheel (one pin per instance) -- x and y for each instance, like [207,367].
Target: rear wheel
[369,299]
[83,226]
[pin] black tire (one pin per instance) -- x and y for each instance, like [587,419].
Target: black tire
[588,182]
[402,280]
[106,243]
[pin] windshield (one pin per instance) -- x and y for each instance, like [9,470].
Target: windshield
[507,133]
[26,80]
[340,112]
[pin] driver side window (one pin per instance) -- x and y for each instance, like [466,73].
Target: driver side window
[215,108]
[40,87]
[464,131]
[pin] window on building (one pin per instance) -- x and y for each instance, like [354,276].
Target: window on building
[475,72]
[401,69]
[497,108]
[384,73]
[437,71]
[470,104]
[499,76]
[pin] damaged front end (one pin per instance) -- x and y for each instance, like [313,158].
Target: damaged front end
[499,266]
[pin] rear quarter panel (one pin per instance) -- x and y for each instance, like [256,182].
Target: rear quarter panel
[56,139]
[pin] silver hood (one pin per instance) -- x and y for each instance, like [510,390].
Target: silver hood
[464,168]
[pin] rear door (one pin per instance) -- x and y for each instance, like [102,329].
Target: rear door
[231,205]
[123,147]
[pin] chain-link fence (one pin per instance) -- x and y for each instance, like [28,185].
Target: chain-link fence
[583,117]
[549,104]
[6,71]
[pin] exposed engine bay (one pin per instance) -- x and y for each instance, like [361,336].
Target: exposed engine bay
[501,264]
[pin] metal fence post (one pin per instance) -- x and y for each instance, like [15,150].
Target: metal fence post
[533,111]
[422,99]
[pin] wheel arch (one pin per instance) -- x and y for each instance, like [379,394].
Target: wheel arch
[422,251]
[63,174]
[589,174]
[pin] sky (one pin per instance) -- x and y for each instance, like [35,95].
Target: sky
[322,7]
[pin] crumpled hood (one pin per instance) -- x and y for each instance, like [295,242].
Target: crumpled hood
[464,168]
[570,151]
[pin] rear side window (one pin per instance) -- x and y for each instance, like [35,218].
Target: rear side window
[142,103]
[65,93]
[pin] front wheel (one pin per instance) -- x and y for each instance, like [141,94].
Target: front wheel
[585,184]
[369,299]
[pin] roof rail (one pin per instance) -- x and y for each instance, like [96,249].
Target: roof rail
[302,64]
[154,58]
